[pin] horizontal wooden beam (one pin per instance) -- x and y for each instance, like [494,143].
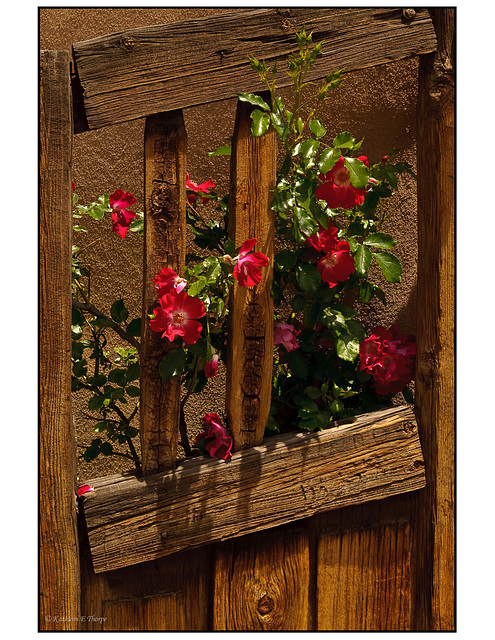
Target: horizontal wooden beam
[140,72]
[373,456]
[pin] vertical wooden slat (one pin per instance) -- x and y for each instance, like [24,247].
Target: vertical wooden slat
[435,604]
[250,347]
[59,555]
[262,582]
[364,567]
[165,229]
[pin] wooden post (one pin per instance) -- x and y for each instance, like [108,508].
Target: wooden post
[250,347]
[164,246]
[59,556]
[435,330]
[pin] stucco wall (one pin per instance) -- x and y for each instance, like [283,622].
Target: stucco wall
[378,104]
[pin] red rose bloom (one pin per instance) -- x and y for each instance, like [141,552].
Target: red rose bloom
[247,270]
[216,440]
[82,489]
[167,280]
[336,188]
[198,190]
[325,240]
[388,357]
[121,216]
[337,265]
[178,315]
[211,366]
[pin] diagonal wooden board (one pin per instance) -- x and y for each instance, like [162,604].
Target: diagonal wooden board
[373,456]
[148,70]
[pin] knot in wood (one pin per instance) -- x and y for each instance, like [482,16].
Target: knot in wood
[126,43]
[408,14]
[408,426]
[265,605]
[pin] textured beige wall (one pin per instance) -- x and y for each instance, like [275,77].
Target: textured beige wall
[378,104]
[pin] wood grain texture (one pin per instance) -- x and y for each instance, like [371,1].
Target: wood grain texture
[139,72]
[435,377]
[169,594]
[288,478]
[262,582]
[364,567]
[59,556]
[164,246]
[250,320]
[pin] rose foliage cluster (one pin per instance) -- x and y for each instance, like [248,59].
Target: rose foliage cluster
[331,204]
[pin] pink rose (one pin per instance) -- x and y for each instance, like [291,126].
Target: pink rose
[215,438]
[247,270]
[336,188]
[198,190]
[388,357]
[178,315]
[286,335]
[121,216]
[82,489]
[211,366]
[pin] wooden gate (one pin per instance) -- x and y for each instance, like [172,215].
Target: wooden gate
[377,555]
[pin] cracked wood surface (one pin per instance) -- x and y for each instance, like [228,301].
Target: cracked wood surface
[138,72]
[287,478]
[250,319]
[164,246]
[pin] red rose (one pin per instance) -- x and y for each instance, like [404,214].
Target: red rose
[325,240]
[215,438]
[247,270]
[337,189]
[198,190]
[121,216]
[388,357]
[178,315]
[337,265]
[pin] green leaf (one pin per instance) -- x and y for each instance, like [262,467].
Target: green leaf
[327,160]
[408,395]
[133,371]
[358,172]
[317,128]
[312,392]
[285,260]
[106,449]
[344,141]
[390,266]
[280,125]
[226,150]
[133,391]
[134,328]
[365,291]
[118,376]
[261,122]
[95,403]
[102,322]
[347,347]
[362,259]
[380,240]
[298,364]
[254,99]
[356,329]
[118,311]
[308,148]
[197,286]
[308,277]
[304,221]
[172,364]
[333,319]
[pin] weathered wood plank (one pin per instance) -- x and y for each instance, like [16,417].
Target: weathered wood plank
[364,572]
[142,71]
[286,479]
[435,378]
[168,594]
[59,556]
[262,582]
[250,343]
[164,246]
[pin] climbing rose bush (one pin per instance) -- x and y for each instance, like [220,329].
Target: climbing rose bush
[388,357]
